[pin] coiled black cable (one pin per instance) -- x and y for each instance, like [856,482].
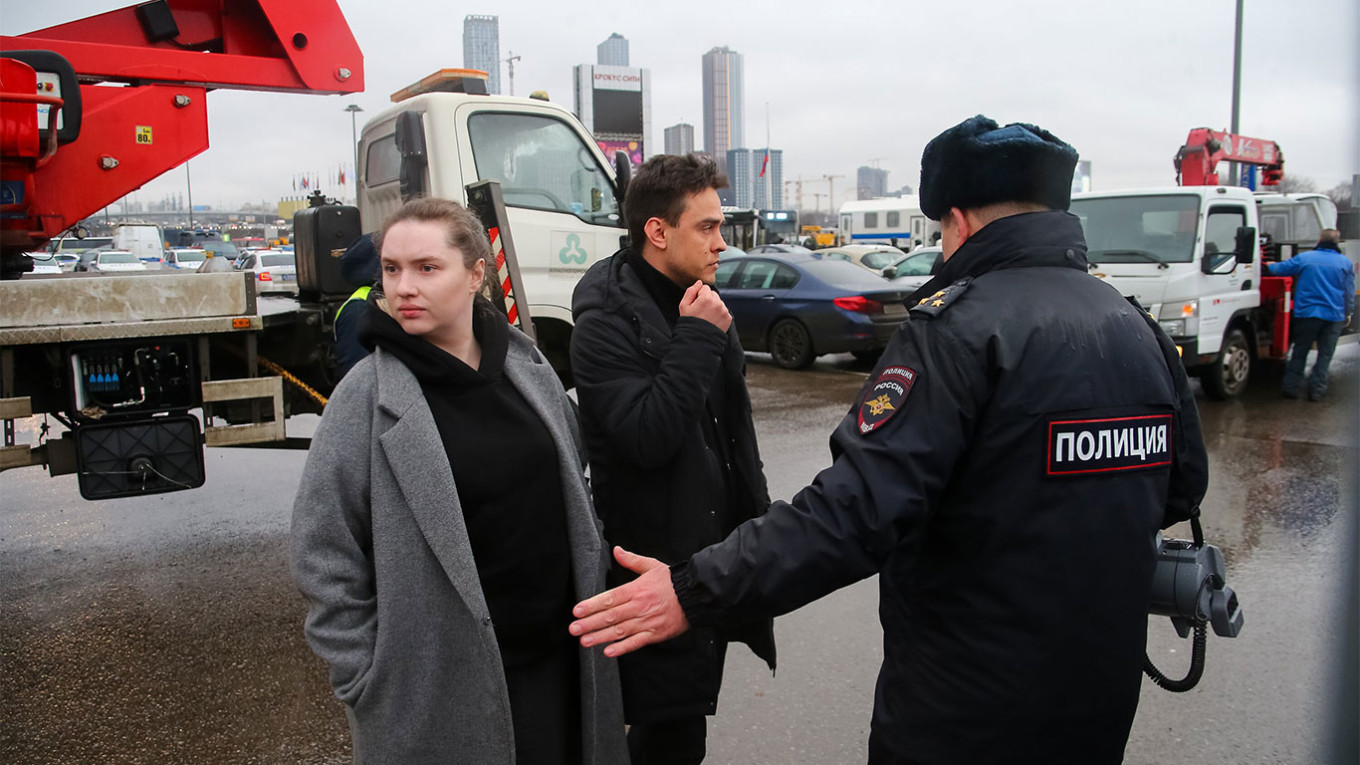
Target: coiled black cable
[1196,665]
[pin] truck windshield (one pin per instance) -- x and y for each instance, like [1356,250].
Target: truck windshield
[1139,229]
[542,163]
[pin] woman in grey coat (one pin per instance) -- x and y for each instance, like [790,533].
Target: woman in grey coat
[443,529]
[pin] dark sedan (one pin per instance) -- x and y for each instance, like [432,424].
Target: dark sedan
[798,307]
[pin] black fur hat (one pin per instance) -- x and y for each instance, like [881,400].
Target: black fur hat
[977,163]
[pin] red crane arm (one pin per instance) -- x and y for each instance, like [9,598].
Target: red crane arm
[283,45]
[1197,161]
[169,54]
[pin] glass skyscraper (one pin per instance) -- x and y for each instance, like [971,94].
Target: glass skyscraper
[612,52]
[724,99]
[482,48]
[680,139]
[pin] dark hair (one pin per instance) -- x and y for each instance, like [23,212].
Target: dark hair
[660,189]
[463,230]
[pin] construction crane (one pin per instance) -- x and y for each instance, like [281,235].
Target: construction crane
[798,192]
[510,62]
[831,190]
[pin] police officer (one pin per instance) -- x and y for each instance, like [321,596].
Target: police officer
[359,267]
[1004,472]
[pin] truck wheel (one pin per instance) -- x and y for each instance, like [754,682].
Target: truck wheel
[790,345]
[1227,376]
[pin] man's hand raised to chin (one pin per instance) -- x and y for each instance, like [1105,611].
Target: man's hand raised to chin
[637,614]
[701,302]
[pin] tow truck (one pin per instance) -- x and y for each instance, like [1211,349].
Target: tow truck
[1192,255]
[129,364]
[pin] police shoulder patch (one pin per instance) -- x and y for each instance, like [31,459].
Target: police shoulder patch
[884,398]
[932,305]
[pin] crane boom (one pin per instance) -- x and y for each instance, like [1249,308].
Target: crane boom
[1197,160]
[167,54]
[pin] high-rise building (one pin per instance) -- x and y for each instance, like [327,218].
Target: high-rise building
[680,139]
[749,188]
[872,183]
[612,52]
[615,105]
[482,48]
[738,191]
[724,99]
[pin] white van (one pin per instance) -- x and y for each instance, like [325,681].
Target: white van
[143,240]
[896,221]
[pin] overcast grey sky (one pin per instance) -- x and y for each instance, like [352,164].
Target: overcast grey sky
[847,81]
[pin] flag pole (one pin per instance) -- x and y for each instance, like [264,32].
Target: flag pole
[769,198]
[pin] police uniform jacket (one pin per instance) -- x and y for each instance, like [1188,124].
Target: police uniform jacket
[660,483]
[1004,472]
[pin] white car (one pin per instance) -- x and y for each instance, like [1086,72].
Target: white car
[187,258]
[45,263]
[270,266]
[913,269]
[874,257]
[116,260]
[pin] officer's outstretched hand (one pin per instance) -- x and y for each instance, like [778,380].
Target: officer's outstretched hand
[637,614]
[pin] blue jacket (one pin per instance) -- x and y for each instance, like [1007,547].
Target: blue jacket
[1325,284]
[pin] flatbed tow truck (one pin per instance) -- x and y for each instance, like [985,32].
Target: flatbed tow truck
[94,109]
[144,370]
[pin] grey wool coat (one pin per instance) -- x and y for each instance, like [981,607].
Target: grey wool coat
[380,551]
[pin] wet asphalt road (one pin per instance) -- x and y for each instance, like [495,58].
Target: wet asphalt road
[165,629]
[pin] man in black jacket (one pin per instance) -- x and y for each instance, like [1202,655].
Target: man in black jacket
[1004,473]
[660,378]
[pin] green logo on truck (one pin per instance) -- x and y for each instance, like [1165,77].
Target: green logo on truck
[573,252]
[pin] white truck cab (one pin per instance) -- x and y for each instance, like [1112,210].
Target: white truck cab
[560,191]
[1190,257]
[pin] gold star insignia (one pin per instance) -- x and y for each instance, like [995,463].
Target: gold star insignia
[937,303]
[923,301]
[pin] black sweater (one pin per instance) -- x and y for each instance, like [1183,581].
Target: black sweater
[504,463]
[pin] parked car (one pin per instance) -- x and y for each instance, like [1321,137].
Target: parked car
[44,263]
[913,269]
[188,258]
[798,306]
[218,248]
[731,252]
[777,249]
[109,261]
[270,266]
[874,257]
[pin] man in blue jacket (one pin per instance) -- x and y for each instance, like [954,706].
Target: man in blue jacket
[1324,299]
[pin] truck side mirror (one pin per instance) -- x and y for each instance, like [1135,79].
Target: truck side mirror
[410,135]
[623,172]
[1245,246]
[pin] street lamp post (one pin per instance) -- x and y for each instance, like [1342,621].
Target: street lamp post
[1236,87]
[354,110]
